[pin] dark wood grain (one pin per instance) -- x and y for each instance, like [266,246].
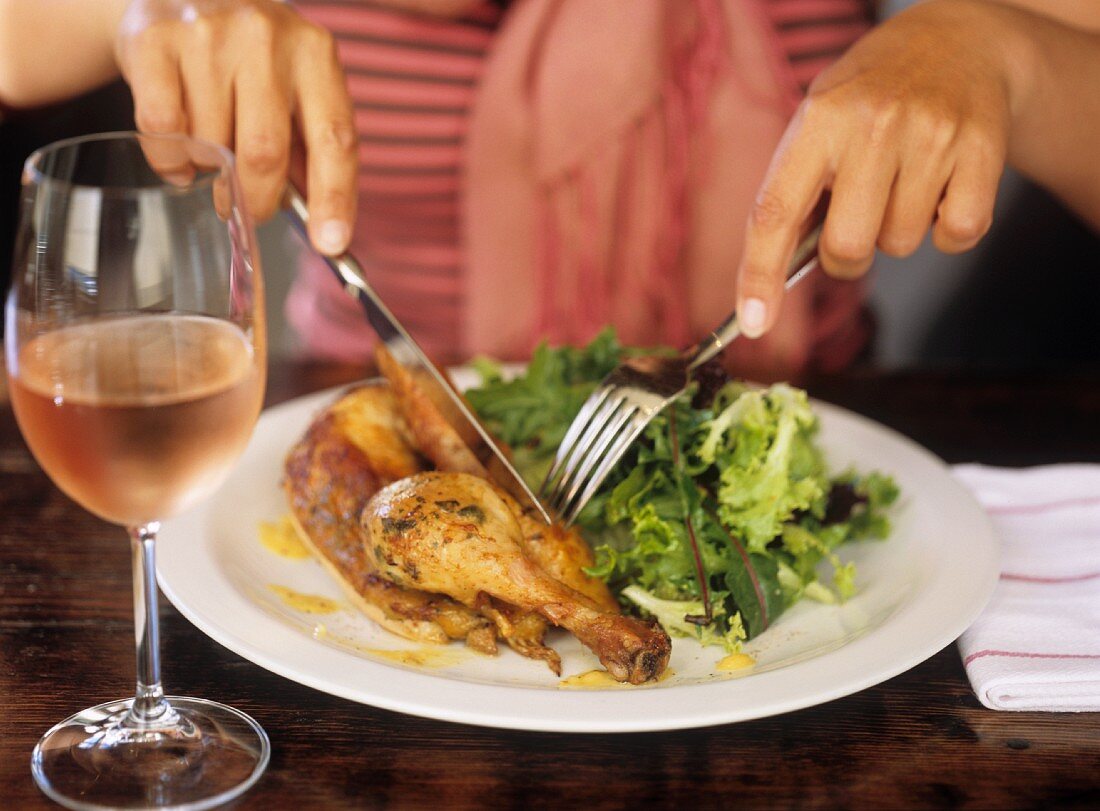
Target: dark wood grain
[920,739]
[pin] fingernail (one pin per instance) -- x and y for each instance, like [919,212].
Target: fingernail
[332,237]
[180,179]
[753,315]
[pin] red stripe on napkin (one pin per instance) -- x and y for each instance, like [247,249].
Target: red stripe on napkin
[1073,578]
[1024,655]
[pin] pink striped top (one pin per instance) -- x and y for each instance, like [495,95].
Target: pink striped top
[412,80]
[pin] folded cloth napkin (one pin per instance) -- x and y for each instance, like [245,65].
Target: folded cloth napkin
[1037,644]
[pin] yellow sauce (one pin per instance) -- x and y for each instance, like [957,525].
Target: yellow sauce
[735,661]
[601,680]
[281,538]
[421,657]
[308,603]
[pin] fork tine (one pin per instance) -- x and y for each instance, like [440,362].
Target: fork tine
[592,415]
[584,445]
[611,458]
[572,484]
[569,441]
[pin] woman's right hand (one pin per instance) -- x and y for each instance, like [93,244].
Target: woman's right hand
[254,76]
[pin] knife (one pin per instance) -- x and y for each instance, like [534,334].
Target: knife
[406,352]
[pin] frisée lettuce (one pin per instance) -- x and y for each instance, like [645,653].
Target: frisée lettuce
[719,517]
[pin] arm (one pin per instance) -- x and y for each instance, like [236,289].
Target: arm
[1056,130]
[1074,13]
[52,50]
[911,129]
[1055,133]
[188,72]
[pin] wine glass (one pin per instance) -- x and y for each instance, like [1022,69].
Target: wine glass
[136,361]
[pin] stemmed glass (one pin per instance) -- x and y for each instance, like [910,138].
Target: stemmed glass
[136,358]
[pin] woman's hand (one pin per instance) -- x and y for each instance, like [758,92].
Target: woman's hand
[254,76]
[909,130]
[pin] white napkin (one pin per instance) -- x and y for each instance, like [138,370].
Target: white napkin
[1037,644]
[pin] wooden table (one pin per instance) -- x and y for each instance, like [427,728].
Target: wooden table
[919,739]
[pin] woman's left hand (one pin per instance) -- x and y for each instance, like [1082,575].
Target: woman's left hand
[907,131]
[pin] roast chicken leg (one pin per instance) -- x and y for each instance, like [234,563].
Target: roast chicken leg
[456,534]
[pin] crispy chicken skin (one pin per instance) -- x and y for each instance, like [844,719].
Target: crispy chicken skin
[349,452]
[455,534]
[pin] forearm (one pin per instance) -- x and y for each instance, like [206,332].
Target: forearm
[51,50]
[1083,14]
[1055,134]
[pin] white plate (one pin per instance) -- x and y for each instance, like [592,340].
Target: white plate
[917,592]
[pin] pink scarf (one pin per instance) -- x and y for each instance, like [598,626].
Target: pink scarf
[613,154]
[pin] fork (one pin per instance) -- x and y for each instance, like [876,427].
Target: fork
[629,398]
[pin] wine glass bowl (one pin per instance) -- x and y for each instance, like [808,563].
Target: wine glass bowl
[136,360]
[142,437]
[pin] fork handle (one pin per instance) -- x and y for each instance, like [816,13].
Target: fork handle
[802,262]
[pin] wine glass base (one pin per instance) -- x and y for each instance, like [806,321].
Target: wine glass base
[95,760]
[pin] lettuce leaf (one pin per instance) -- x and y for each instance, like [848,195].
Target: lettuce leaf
[673,616]
[736,487]
[769,467]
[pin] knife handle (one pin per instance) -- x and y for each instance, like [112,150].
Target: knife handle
[347,269]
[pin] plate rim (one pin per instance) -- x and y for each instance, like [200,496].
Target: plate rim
[589,709]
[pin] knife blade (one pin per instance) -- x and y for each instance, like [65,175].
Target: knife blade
[409,354]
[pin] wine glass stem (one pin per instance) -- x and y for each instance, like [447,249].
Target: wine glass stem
[149,706]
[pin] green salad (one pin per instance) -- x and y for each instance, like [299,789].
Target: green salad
[718,517]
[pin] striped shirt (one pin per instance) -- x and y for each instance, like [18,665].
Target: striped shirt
[412,80]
